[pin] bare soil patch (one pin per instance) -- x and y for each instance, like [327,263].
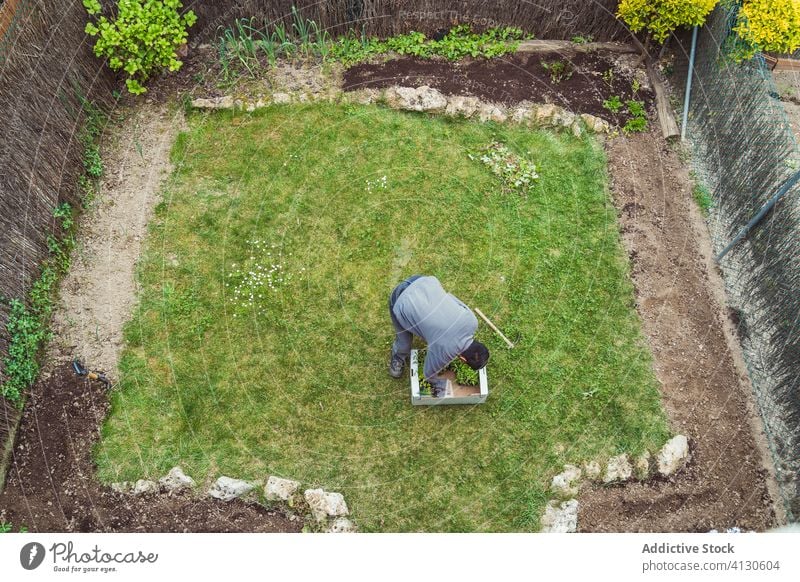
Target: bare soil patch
[788,84]
[705,389]
[515,78]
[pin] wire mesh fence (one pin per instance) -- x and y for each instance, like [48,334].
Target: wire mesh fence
[744,150]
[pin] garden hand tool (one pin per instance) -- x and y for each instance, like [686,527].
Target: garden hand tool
[83,372]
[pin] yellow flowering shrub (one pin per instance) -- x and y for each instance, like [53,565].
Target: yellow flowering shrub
[662,17]
[770,25]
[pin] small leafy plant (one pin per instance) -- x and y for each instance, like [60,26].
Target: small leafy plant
[613,104]
[608,77]
[27,325]
[142,39]
[703,198]
[459,42]
[581,39]
[465,375]
[559,70]
[92,161]
[638,121]
[517,173]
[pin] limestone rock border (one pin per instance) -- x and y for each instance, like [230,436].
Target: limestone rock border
[325,511]
[425,99]
[561,513]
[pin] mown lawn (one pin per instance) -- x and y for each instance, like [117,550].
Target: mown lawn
[294,382]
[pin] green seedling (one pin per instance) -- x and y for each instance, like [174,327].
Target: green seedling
[613,104]
[559,70]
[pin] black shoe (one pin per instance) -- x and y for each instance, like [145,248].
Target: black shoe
[396,366]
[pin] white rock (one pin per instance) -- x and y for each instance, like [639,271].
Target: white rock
[560,518]
[566,482]
[577,129]
[545,114]
[673,455]
[225,102]
[281,98]
[595,124]
[592,470]
[365,96]
[122,487]
[144,486]
[325,504]
[416,99]
[564,118]
[642,465]
[342,525]
[176,480]
[460,105]
[226,489]
[278,489]
[618,469]
[490,112]
[522,112]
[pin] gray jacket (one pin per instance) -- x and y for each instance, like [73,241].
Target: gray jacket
[445,323]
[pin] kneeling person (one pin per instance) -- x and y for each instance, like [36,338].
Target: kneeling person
[420,306]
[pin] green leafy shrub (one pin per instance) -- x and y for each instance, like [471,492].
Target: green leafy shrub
[767,26]
[662,17]
[142,39]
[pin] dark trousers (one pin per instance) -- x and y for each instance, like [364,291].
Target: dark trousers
[401,348]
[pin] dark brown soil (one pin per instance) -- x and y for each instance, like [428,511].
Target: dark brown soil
[52,486]
[703,386]
[509,80]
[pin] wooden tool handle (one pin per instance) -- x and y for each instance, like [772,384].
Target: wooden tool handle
[494,327]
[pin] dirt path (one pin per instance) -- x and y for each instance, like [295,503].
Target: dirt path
[98,294]
[51,482]
[705,389]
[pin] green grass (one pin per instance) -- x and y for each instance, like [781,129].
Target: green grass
[703,198]
[297,384]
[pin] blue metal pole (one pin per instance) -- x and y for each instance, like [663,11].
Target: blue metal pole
[688,96]
[757,218]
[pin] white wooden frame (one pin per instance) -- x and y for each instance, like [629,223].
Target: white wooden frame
[419,400]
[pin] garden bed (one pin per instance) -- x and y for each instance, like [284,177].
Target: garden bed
[591,79]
